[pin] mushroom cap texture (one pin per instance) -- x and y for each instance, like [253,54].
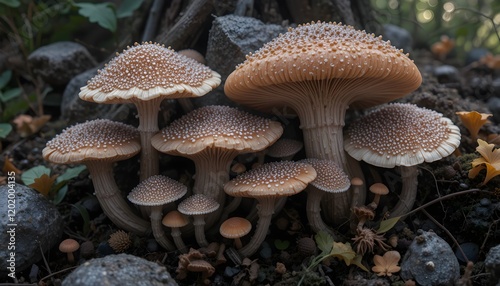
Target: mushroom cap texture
[147,71]
[284,147]
[330,177]
[198,204]
[157,190]
[174,219]
[95,140]
[401,135]
[235,227]
[276,179]
[216,126]
[322,59]
[69,245]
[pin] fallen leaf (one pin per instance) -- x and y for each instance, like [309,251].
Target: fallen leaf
[8,166]
[343,251]
[387,264]
[489,160]
[44,184]
[27,125]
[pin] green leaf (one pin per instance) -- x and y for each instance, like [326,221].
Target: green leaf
[30,175]
[127,7]
[86,218]
[5,77]
[10,94]
[5,129]
[387,224]
[324,241]
[11,3]
[281,244]
[71,173]
[60,194]
[357,261]
[343,251]
[101,13]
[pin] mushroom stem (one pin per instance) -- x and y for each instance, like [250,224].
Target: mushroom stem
[148,126]
[199,230]
[212,172]
[313,208]
[176,235]
[409,175]
[156,217]
[265,210]
[71,257]
[113,204]
[321,124]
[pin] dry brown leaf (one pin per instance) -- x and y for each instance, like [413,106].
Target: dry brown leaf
[27,125]
[387,264]
[8,166]
[489,160]
[44,184]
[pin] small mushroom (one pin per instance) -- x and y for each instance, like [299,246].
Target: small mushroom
[204,267]
[284,149]
[378,190]
[155,192]
[98,144]
[69,246]
[175,220]
[267,184]
[199,206]
[330,179]
[146,74]
[235,228]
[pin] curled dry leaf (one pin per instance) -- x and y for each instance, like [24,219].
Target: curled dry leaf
[387,264]
[44,184]
[27,125]
[489,160]
[473,121]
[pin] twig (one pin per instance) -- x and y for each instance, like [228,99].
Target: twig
[447,232]
[57,272]
[153,20]
[488,234]
[436,185]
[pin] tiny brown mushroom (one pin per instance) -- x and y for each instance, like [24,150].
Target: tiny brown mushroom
[378,190]
[235,228]
[69,246]
[175,220]
[202,266]
[146,74]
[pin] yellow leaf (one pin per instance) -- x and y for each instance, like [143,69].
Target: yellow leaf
[44,184]
[343,251]
[490,161]
[473,121]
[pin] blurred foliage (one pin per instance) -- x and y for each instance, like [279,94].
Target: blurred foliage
[471,23]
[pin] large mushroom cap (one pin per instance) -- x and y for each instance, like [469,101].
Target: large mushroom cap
[274,179]
[217,127]
[147,71]
[323,57]
[99,139]
[198,204]
[331,178]
[156,191]
[401,135]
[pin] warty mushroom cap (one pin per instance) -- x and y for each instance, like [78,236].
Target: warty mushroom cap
[147,71]
[276,179]
[174,219]
[331,178]
[99,139]
[401,135]
[359,66]
[198,204]
[217,127]
[235,227]
[156,191]
[284,147]
[69,245]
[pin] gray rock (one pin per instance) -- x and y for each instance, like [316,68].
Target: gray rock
[447,74]
[430,261]
[36,223]
[230,40]
[494,106]
[120,269]
[74,110]
[492,264]
[59,62]
[399,37]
